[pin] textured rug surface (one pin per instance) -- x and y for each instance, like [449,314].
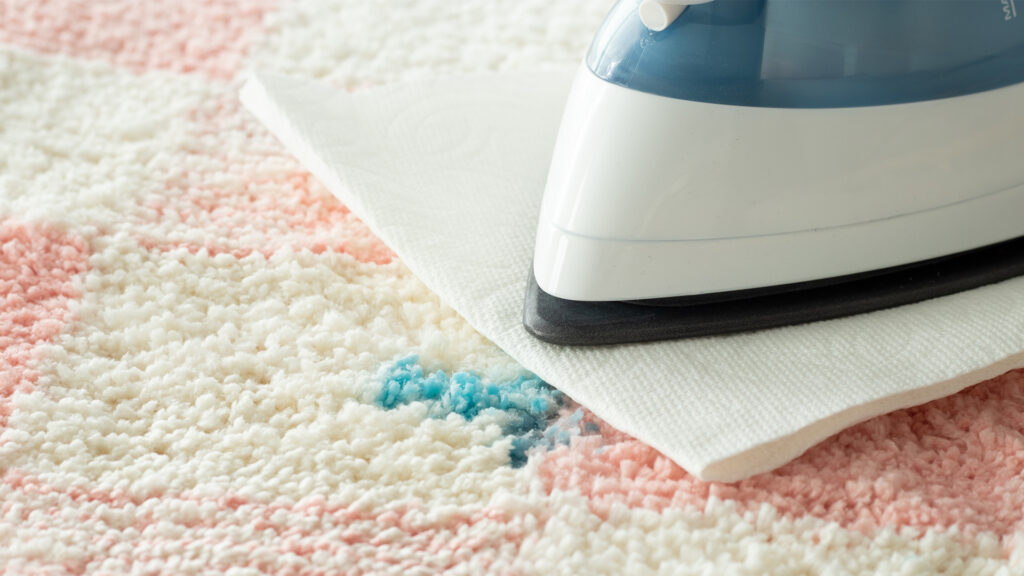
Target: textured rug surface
[208,365]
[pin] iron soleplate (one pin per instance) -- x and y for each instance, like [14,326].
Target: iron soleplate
[574,323]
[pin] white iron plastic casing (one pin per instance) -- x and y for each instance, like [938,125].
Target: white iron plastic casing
[658,15]
[655,197]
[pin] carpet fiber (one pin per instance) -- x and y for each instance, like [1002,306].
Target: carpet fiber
[208,365]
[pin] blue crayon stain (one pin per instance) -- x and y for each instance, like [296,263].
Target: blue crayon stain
[529,404]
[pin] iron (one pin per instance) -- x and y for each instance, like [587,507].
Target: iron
[729,165]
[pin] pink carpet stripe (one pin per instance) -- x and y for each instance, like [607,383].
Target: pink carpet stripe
[958,461]
[402,536]
[266,216]
[187,36]
[38,267]
[253,198]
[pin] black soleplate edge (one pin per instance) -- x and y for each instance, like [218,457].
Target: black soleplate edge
[573,323]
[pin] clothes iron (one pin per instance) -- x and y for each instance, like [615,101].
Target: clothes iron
[732,165]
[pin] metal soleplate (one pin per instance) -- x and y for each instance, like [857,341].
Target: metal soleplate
[575,323]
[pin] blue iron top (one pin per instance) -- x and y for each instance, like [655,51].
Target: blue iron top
[815,53]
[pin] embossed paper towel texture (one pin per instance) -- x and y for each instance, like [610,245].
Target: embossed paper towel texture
[450,175]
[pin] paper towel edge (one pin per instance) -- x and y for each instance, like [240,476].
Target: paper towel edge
[776,453]
[255,97]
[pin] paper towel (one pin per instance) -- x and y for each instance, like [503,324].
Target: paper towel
[450,175]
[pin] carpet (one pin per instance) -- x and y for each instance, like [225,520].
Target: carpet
[208,365]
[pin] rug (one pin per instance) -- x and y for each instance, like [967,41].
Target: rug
[208,365]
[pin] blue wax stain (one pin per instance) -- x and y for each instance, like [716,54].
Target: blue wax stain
[562,431]
[530,406]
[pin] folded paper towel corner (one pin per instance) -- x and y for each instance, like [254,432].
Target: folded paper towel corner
[450,175]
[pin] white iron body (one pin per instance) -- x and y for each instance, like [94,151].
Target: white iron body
[656,197]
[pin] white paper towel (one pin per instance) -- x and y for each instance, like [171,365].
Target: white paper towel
[450,175]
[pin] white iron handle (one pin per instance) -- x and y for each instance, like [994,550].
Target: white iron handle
[659,14]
